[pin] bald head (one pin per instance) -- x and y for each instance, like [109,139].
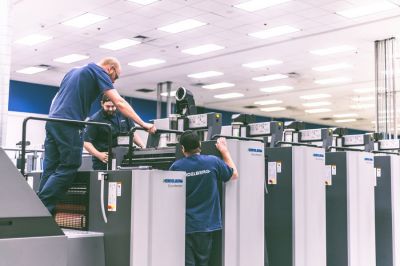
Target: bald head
[112,66]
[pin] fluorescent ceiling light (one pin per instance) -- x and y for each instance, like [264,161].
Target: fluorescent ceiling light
[268,102]
[272,109]
[332,80]
[346,120]
[332,67]
[228,95]
[143,2]
[183,25]
[147,62]
[31,70]
[171,94]
[68,59]
[362,106]
[364,90]
[206,74]
[218,86]
[270,77]
[255,5]
[263,63]
[203,49]
[315,96]
[334,50]
[84,20]
[363,98]
[119,44]
[316,111]
[33,39]
[316,104]
[273,32]
[276,89]
[377,7]
[345,115]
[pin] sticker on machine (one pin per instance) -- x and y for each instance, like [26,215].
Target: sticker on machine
[328,175]
[272,175]
[112,197]
[119,189]
[279,167]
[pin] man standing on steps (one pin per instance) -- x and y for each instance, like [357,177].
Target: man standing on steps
[79,88]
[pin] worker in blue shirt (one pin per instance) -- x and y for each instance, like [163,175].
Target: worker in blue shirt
[203,211]
[96,138]
[64,143]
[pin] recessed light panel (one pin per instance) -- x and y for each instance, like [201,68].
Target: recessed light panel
[346,120]
[274,32]
[256,5]
[68,59]
[33,39]
[206,74]
[143,2]
[315,96]
[31,70]
[272,109]
[276,89]
[316,104]
[333,81]
[220,85]
[345,115]
[270,77]
[228,95]
[203,49]
[268,102]
[334,50]
[332,67]
[119,44]
[374,8]
[147,62]
[183,25]
[262,63]
[84,20]
[319,110]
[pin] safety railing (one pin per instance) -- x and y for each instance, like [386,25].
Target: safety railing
[64,121]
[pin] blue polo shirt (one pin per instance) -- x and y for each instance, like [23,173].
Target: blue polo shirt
[79,88]
[98,135]
[203,209]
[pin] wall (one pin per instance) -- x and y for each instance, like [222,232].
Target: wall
[27,99]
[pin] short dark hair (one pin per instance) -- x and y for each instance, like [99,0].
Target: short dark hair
[105,99]
[190,140]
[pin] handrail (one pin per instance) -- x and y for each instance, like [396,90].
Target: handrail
[386,152]
[158,131]
[343,148]
[65,121]
[297,144]
[233,137]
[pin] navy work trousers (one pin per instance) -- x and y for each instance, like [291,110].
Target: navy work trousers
[198,248]
[62,158]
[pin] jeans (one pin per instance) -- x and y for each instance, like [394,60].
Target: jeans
[198,248]
[62,158]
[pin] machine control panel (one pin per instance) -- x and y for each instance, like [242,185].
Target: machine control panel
[197,121]
[311,135]
[355,140]
[260,129]
[389,144]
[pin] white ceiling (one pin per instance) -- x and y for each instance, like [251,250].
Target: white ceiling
[226,25]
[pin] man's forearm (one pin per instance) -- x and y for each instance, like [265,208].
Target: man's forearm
[91,149]
[226,157]
[124,107]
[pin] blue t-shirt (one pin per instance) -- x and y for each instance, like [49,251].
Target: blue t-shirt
[79,88]
[98,135]
[203,210]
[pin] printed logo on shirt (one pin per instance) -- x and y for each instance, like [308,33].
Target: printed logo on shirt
[196,173]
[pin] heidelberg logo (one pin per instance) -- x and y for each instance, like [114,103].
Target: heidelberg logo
[173,181]
[255,150]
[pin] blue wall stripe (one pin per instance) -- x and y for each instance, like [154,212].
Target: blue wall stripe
[36,98]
